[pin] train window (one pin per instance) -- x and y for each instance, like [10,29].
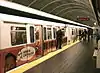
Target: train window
[54,32]
[37,33]
[32,34]
[44,32]
[63,30]
[49,33]
[18,35]
[76,31]
[72,32]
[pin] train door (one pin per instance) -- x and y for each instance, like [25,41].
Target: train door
[49,38]
[39,39]
[68,30]
[35,42]
[54,38]
[72,33]
[64,41]
[45,45]
[47,33]
[76,33]
[77,29]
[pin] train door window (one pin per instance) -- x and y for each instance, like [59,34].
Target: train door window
[44,32]
[63,30]
[49,33]
[37,33]
[54,32]
[18,35]
[72,31]
[76,31]
[32,34]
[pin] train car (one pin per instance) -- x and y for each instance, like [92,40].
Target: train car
[24,39]
[72,33]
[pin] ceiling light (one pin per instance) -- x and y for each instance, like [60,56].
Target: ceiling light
[95,23]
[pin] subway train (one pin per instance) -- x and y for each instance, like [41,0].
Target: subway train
[24,39]
[24,42]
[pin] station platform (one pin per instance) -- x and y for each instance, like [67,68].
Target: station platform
[73,58]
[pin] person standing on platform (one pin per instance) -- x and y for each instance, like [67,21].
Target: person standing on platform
[59,36]
[84,34]
[97,36]
[80,35]
[89,33]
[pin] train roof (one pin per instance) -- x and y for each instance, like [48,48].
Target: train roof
[43,15]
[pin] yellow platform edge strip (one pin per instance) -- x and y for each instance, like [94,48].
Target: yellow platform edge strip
[28,66]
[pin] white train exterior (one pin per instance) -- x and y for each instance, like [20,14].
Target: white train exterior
[25,39]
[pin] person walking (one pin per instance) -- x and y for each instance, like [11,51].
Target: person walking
[84,34]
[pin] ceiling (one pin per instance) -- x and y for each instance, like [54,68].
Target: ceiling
[68,9]
[96,5]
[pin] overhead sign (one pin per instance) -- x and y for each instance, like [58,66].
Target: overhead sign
[83,18]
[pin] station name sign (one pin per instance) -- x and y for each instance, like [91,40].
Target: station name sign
[83,18]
